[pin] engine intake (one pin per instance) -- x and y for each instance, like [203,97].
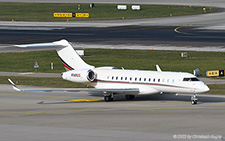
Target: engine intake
[91,75]
[79,76]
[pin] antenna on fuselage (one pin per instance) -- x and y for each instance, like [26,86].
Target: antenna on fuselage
[158,68]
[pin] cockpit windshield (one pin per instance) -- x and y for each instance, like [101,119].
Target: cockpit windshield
[191,79]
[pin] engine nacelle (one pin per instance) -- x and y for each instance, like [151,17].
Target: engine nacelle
[80,76]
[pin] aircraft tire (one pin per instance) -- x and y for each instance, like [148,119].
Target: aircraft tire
[194,102]
[108,98]
[130,97]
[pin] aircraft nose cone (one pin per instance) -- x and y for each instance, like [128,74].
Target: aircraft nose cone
[204,89]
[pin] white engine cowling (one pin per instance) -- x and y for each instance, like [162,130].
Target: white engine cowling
[80,76]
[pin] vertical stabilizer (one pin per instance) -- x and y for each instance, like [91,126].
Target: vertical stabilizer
[70,58]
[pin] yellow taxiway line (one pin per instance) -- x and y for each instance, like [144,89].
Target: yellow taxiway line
[85,100]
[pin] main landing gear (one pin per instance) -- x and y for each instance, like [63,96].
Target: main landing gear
[109,98]
[194,99]
[130,97]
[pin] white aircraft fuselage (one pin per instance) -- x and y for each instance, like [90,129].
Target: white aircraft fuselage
[148,82]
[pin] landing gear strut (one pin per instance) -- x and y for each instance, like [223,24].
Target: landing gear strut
[108,98]
[194,99]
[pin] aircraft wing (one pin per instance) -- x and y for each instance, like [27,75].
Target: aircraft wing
[133,91]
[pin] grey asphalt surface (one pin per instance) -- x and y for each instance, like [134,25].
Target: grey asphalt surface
[125,37]
[50,116]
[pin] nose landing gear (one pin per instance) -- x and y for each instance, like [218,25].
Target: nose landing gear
[194,99]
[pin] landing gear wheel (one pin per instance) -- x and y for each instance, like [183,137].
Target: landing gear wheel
[130,97]
[194,102]
[108,98]
[194,99]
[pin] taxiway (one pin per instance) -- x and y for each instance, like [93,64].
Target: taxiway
[57,116]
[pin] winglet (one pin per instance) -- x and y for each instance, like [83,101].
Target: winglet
[14,85]
[158,68]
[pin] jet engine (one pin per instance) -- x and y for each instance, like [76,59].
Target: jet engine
[80,76]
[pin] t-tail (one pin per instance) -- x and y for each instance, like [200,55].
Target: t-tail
[68,55]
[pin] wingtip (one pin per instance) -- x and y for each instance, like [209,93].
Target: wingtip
[14,85]
[20,46]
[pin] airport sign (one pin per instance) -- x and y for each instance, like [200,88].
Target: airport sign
[70,15]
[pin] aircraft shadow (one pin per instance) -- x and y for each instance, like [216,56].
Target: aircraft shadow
[181,98]
[154,97]
[168,97]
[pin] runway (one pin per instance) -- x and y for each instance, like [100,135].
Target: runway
[193,38]
[50,116]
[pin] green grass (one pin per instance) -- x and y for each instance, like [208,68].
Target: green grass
[44,11]
[24,62]
[41,81]
[128,59]
[217,89]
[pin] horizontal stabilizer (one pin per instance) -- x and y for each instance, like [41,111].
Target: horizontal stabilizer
[61,43]
[68,55]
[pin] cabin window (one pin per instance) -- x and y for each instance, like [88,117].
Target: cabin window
[139,79]
[125,78]
[130,78]
[135,78]
[149,79]
[154,80]
[117,78]
[121,78]
[112,77]
[158,80]
[144,79]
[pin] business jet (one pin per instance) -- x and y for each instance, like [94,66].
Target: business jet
[111,81]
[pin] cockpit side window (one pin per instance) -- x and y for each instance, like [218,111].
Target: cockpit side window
[195,79]
[191,79]
[187,79]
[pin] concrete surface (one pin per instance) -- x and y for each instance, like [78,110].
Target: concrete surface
[50,116]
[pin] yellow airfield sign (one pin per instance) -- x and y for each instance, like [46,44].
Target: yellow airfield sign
[63,14]
[82,15]
[70,15]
